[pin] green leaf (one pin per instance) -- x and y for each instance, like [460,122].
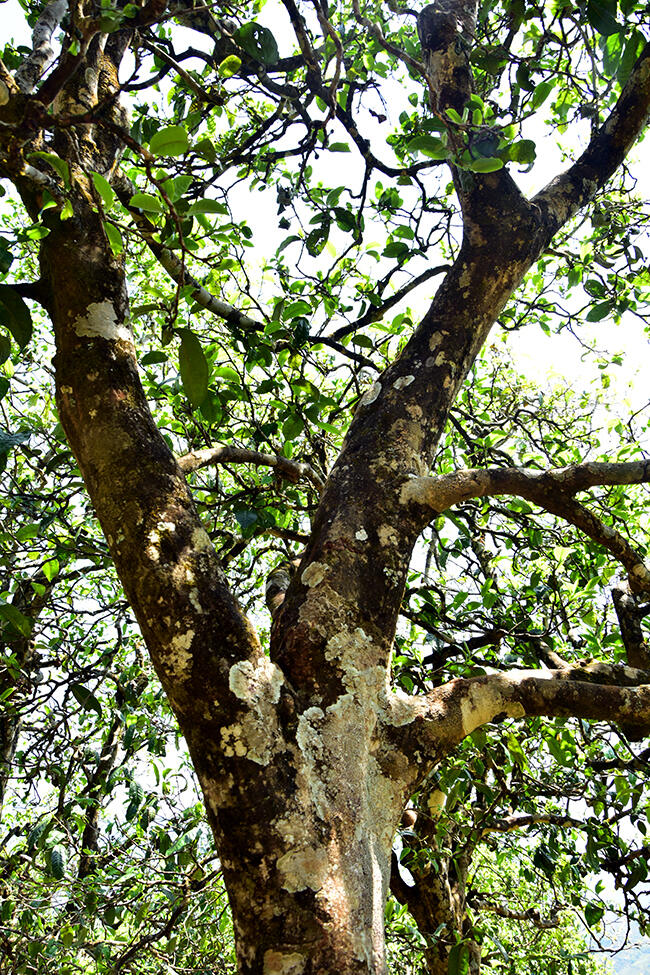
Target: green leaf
[339,147]
[429,146]
[147,201]
[36,834]
[9,440]
[50,569]
[458,960]
[15,315]
[104,188]
[633,47]
[208,206]
[5,349]
[601,14]
[542,91]
[593,913]
[487,165]
[600,311]
[194,368]
[16,620]
[292,427]
[114,238]
[229,66]
[296,308]
[170,141]
[258,41]
[523,151]
[152,358]
[136,792]
[85,698]
[227,373]
[454,116]
[57,861]
[246,520]
[59,165]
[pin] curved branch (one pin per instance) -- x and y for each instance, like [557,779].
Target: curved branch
[567,193]
[439,721]
[551,490]
[42,54]
[291,469]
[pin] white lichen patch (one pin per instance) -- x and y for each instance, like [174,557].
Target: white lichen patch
[254,682]
[314,574]
[414,411]
[417,490]
[179,656]
[361,535]
[195,601]
[403,381]
[231,741]
[349,645]
[101,322]
[641,572]
[399,709]
[465,277]
[283,963]
[258,685]
[200,540]
[387,535]
[483,703]
[303,868]
[436,803]
[370,395]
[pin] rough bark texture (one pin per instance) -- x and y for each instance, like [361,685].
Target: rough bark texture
[305,758]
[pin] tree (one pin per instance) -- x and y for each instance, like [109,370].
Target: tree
[305,751]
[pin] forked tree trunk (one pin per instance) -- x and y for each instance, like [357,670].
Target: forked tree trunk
[305,757]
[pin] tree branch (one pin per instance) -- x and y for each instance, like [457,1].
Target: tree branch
[430,727]
[42,55]
[567,193]
[551,490]
[478,902]
[291,469]
[179,273]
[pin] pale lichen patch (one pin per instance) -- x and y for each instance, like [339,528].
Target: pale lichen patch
[361,535]
[387,535]
[482,704]
[370,395]
[399,709]
[283,963]
[201,540]
[179,658]
[435,341]
[101,321]
[314,574]
[304,868]
[251,682]
[436,803]
[403,381]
